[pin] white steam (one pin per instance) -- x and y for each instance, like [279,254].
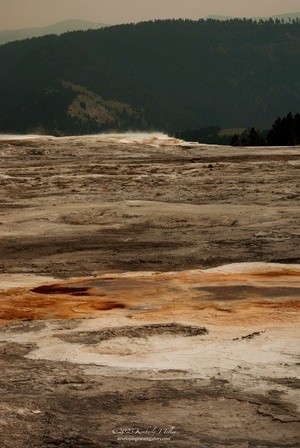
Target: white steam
[155,139]
[23,137]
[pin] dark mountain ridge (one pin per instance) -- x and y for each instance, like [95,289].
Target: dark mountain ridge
[167,75]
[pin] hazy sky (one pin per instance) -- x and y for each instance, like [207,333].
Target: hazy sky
[32,13]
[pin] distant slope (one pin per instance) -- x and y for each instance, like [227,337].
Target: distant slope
[169,75]
[286,17]
[218,17]
[57,28]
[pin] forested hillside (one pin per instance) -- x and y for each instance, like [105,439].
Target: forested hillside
[169,75]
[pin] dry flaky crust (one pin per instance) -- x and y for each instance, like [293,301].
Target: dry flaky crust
[131,295]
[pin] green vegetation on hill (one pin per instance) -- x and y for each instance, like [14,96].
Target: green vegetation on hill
[284,132]
[212,135]
[166,75]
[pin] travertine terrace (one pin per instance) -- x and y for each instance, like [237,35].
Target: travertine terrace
[148,284]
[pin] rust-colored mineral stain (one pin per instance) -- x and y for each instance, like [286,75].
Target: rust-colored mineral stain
[246,292]
[193,296]
[118,285]
[283,305]
[106,306]
[61,289]
[275,274]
